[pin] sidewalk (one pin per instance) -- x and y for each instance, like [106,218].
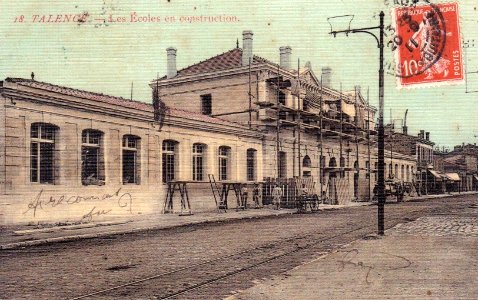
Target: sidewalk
[21,236]
[433,257]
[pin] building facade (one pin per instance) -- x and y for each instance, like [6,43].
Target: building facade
[75,156]
[462,162]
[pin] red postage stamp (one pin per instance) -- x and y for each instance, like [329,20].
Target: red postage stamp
[427,45]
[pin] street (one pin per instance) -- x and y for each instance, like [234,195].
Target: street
[208,261]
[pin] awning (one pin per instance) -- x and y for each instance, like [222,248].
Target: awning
[476,177]
[436,174]
[453,176]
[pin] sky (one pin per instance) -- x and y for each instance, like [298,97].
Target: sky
[107,57]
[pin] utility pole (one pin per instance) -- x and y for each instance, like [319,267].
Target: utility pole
[381,142]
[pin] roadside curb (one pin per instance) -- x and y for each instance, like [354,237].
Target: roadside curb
[77,237]
[429,197]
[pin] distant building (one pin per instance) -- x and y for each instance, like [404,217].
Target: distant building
[421,148]
[462,161]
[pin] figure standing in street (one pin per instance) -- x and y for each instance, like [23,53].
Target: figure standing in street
[244,195]
[256,195]
[276,195]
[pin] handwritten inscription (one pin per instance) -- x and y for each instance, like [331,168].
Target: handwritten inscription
[392,262]
[88,217]
[119,198]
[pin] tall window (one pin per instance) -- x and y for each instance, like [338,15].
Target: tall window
[356,179]
[367,167]
[251,164]
[402,173]
[408,173]
[306,164]
[342,165]
[282,164]
[332,165]
[42,153]
[169,160]
[376,170]
[322,166]
[198,161]
[282,114]
[206,104]
[92,160]
[281,97]
[396,171]
[131,162]
[223,163]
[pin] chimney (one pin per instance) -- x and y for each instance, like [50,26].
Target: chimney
[285,52]
[421,134]
[405,130]
[326,76]
[246,47]
[427,136]
[172,71]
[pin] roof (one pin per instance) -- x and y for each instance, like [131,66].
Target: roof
[227,60]
[120,101]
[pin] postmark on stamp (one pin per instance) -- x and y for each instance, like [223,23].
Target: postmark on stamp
[427,43]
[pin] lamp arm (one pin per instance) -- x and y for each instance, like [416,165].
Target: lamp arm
[368,32]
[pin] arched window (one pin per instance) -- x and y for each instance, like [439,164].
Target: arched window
[356,179]
[131,159]
[282,164]
[169,160]
[306,164]
[223,162]
[402,172]
[367,167]
[408,173]
[251,164]
[376,170]
[42,153]
[199,155]
[332,164]
[342,165]
[92,157]
[396,171]
[390,171]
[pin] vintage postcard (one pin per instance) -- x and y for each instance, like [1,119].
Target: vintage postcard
[173,149]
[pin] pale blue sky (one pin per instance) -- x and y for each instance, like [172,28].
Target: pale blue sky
[108,58]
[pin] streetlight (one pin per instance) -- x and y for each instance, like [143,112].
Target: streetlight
[381,143]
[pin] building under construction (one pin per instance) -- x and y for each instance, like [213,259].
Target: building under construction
[310,129]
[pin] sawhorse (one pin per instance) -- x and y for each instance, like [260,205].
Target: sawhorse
[183,191]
